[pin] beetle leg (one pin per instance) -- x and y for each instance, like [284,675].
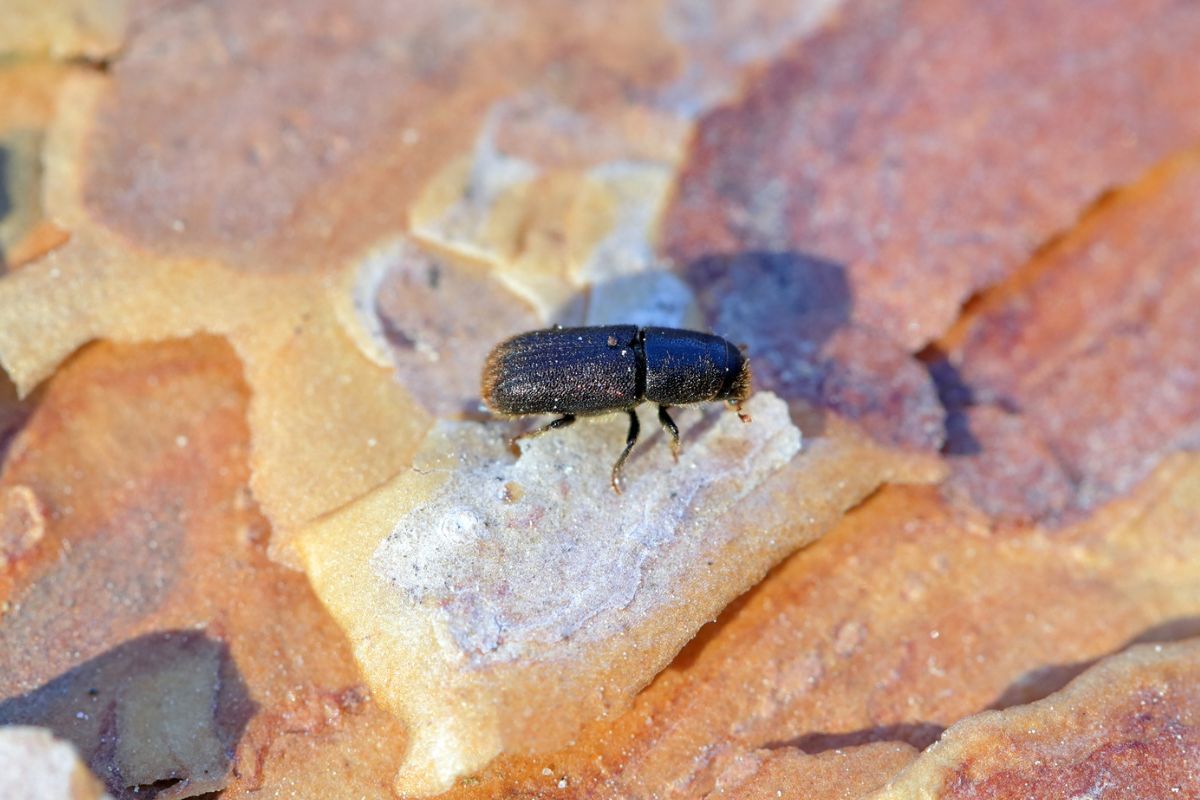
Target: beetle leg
[630,441]
[742,415]
[561,422]
[672,430]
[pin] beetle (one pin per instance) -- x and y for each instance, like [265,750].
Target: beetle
[607,369]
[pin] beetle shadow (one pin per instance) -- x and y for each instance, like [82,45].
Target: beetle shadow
[152,713]
[783,307]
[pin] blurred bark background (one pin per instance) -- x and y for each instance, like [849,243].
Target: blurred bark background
[252,253]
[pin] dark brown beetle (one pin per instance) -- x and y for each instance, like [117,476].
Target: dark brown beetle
[610,368]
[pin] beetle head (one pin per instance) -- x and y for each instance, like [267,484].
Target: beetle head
[738,377]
